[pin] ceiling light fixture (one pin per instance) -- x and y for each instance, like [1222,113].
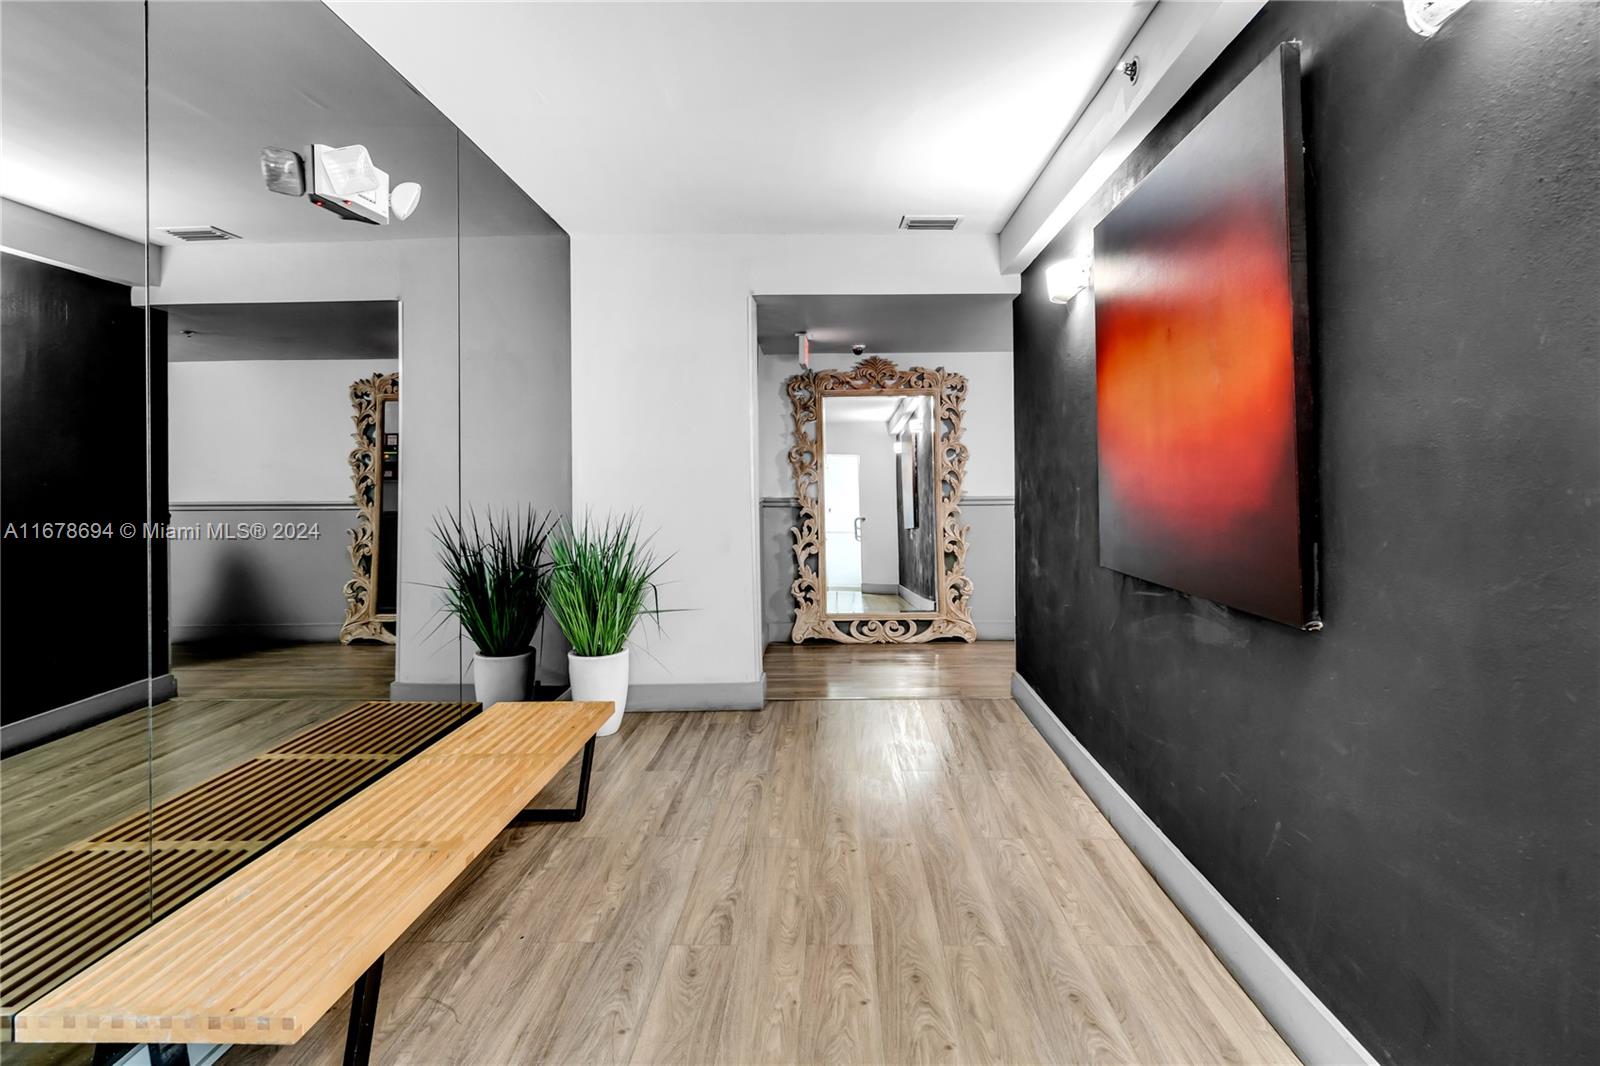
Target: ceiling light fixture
[1066,279]
[284,171]
[1426,16]
[349,169]
[403,199]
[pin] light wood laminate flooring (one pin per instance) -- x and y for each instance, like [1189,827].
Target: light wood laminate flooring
[905,875]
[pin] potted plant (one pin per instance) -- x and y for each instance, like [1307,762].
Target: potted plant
[494,586]
[602,580]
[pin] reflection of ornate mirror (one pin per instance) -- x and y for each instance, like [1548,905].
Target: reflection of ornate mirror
[375,473]
[878,464]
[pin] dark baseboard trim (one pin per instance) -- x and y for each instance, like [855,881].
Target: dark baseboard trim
[81,714]
[279,632]
[1309,1028]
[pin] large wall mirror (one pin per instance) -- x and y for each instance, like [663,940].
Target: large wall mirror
[179,345]
[878,464]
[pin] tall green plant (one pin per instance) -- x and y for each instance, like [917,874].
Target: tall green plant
[602,580]
[495,577]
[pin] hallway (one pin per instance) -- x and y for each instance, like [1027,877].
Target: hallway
[857,879]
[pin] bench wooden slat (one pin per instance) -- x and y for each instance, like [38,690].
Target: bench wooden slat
[260,957]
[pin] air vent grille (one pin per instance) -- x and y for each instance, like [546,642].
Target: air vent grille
[930,222]
[200,233]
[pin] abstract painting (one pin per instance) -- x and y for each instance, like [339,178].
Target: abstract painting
[1203,385]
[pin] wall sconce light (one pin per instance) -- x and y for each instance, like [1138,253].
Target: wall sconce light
[1064,280]
[1426,16]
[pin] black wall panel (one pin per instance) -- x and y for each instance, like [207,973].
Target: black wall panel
[75,617]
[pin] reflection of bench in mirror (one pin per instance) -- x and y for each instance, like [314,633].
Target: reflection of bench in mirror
[66,911]
[263,955]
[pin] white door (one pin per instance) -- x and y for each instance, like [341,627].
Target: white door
[842,521]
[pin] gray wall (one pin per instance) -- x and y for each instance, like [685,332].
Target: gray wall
[1403,805]
[990,565]
[231,588]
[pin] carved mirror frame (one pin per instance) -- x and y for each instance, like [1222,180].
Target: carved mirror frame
[361,618]
[874,376]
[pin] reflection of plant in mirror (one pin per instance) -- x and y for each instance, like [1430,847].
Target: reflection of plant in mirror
[495,576]
[602,579]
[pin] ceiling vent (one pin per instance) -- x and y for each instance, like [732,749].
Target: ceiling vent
[195,234]
[930,222]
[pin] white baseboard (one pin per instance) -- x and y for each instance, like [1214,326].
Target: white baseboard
[918,603]
[1308,1027]
[722,696]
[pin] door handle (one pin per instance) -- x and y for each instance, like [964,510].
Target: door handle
[859,522]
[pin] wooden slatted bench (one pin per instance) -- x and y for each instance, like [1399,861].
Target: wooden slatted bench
[261,956]
[67,910]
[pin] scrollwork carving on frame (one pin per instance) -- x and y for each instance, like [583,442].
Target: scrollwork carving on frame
[361,618]
[952,616]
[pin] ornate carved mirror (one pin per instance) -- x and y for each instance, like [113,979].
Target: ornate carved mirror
[370,594]
[878,464]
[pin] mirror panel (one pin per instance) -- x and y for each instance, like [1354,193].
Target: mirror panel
[878,513]
[516,373]
[288,315]
[85,654]
[178,363]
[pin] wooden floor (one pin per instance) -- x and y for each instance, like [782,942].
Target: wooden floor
[905,873]
[230,707]
[903,671]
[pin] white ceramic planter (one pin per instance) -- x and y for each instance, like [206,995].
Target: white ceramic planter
[603,678]
[501,678]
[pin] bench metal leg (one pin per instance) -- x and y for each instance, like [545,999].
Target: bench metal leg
[160,1054]
[363,1015]
[534,816]
[169,1055]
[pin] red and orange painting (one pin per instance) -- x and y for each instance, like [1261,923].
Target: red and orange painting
[1202,362]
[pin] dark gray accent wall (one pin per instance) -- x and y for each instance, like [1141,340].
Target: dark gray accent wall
[1404,805]
[75,450]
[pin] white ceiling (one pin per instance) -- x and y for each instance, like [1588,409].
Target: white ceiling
[225,79]
[758,117]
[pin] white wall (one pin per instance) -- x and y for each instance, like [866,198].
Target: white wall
[663,404]
[880,541]
[263,430]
